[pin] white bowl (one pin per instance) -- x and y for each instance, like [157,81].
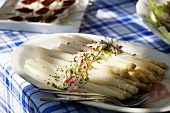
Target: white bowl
[143,10]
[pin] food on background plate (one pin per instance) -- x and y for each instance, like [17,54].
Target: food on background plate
[160,16]
[45,11]
[81,64]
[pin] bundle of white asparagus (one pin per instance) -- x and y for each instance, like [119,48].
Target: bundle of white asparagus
[85,65]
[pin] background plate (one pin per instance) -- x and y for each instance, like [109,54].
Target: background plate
[70,24]
[143,10]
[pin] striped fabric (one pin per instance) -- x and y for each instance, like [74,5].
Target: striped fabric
[111,18]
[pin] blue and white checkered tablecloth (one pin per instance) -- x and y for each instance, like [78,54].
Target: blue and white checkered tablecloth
[111,18]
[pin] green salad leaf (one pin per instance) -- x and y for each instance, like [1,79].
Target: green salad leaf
[158,11]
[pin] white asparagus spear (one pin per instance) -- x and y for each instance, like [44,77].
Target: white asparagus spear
[139,75]
[80,89]
[147,59]
[101,77]
[147,73]
[101,90]
[53,66]
[119,64]
[53,60]
[33,63]
[82,39]
[66,49]
[76,46]
[66,39]
[127,94]
[139,85]
[45,67]
[147,65]
[89,39]
[40,76]
[54,53]
[48,64]
[111,69]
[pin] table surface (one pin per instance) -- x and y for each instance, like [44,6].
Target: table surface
[112,18]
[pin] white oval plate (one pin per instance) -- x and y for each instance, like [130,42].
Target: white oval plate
[143,10]
[26,50]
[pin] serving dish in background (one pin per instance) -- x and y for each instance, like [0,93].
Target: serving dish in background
[142,8]
[69,23]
